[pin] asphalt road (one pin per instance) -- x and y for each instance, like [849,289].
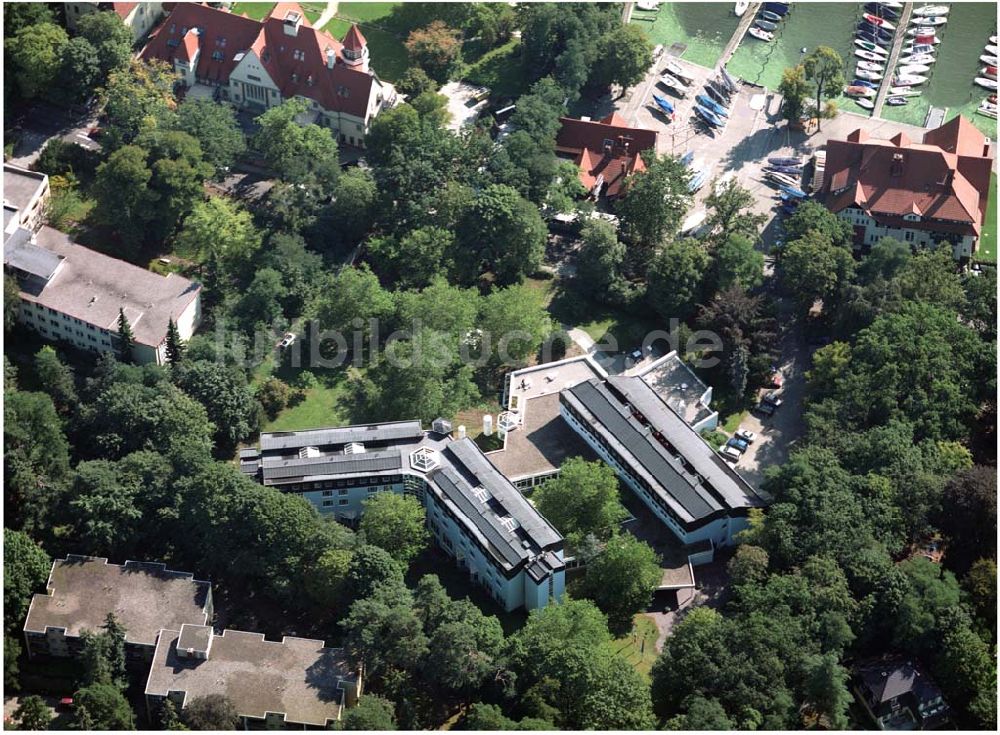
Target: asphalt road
[41,122]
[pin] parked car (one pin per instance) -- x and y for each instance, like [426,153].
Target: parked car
[766,408]
[773,398]
[740,445]
[65,704]
[776,380]
[636,354]
[746,435]
[730,453]
[286,341]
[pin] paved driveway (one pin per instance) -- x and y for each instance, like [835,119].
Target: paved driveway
[36,125]
[778,434]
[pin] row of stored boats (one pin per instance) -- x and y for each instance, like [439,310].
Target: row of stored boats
[768,20]
[711,105]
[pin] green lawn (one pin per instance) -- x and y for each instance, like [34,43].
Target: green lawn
[255,10]
[388,54]
[325,404]
[639,646]
[988,242]
[501,70]
[365,12]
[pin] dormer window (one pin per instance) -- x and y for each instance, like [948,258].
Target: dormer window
[911,217]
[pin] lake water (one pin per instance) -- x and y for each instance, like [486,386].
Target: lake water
[704,28]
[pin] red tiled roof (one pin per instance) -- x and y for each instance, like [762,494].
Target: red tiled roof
[123,9]
[189,46]
[946,177]
[354,41]
[340,89]
[606,148]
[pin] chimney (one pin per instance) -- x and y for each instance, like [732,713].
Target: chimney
[331,58]
[292,22]
[896,169]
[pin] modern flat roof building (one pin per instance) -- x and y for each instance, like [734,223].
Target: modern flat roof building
[25,194]
[473,510]
[144,596]
[661,458]
[73,293]
[295,683]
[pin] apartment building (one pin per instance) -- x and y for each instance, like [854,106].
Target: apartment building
[25,194]
[925,194]
[474,512]
[74,294]
[661,458]
[293,684]
[144,596]
[260,64]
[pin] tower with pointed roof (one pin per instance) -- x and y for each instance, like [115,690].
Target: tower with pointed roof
[356,49]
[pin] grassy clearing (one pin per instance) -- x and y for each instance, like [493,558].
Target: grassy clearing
[639,646]
[365,12]
[388,54]
[732,422]
[988,242]
[500,70]
[611,328]
[257,11]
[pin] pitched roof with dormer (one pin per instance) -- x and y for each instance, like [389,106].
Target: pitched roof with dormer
[297,63]
[606,149]
[944,180]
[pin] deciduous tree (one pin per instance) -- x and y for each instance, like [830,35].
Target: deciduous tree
[622,578]
[396,524]
[825,69]
[582,499]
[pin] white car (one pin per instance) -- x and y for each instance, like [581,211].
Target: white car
[746,435]
[286,341]
[731,453]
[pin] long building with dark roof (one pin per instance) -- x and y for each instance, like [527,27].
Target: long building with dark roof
[474,512]
[664,461]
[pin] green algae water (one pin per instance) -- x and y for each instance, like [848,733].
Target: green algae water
[703,28]
[949,82]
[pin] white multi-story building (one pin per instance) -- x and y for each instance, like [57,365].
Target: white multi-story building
[475,514]
[74,294]
[923,194]
[661,458]
[260,64]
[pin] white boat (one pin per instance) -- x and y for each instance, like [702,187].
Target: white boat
[934,20]
[858,91]
[741,8]
[921,31]
[761,34]
[866,103]
[869,56]
[991,60]
[984,82]
[648,5]
[991,50]
[871,47]
[993,40]
[931,10]
[917,59]
[892,4]
[674,68]
[872,76]
[910,80]
[913,69]
[904,92]
[870,66]
[918,48]
[674,83]
[987,112]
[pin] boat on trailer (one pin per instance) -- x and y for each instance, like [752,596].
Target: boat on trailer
[708,116]
[674,84]
[730,82]
[678,72]
[784,161]
[712,105]
[664,104]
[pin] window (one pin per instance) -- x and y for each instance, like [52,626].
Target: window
[327,493]
[343,501]
[327,503]
[216,56]
[252,77]
[343,491]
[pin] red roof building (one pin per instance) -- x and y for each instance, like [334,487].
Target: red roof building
[921,193]
[607,151]
[260,64]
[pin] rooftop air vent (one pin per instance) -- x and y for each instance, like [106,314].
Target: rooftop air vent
[308,452]
[424,459]
[354,448]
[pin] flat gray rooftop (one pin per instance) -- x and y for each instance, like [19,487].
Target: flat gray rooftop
[677,384]
[145,597]
[20,186]
[297,676]
[92,287]
[690,475]
[280,441]
[23,255]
